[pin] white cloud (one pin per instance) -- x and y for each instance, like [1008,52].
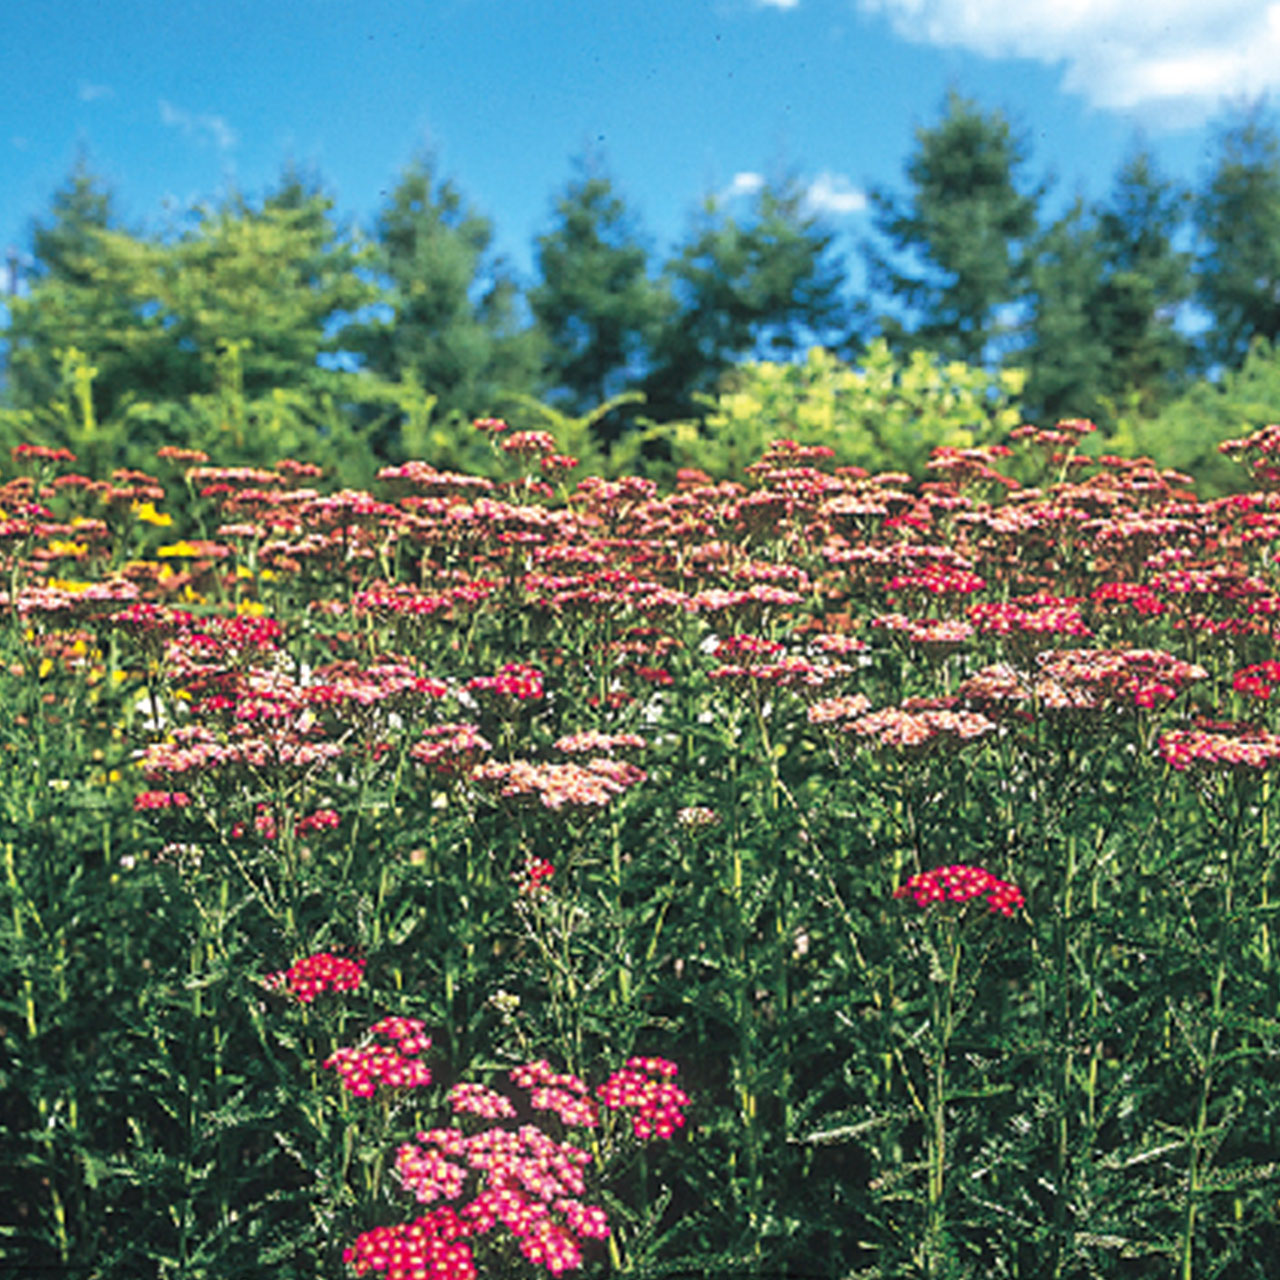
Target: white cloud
[833,193]
[1117,54]
[776,4]
[92,92]
[201,128]
[743,184]
[829,193]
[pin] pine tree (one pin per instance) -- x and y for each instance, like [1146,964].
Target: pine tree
[766,286]
[1106,290]
[453,321]
[597,305]
[79,295]
[1146,281]
[956,242]
[1066,355]
[1238,218]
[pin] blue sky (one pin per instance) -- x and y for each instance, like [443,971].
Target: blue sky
[176,101]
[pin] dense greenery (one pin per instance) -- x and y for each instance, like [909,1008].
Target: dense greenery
[617,772]
[271,319]
[893,779]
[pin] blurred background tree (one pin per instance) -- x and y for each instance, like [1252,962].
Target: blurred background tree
[449,315]
[952,254]
[1237,216]
[597,300]
[269,324]
[766,286]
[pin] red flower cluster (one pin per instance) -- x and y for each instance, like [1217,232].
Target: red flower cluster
[645,1086]
[1258,681]
[514,680]
[364,1067]
[323,971]
[557,1091]
[431,1247]
[533,875]
[960,883]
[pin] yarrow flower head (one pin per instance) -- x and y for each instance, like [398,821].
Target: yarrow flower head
[647,1087]
[307,978]
[959,884]
[362,1068]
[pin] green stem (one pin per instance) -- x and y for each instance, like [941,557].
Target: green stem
[942,1007]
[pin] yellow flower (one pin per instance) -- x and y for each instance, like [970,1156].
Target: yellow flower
[147,513]
[60,548]
[183,548]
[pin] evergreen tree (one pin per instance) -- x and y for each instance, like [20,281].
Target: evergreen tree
[63,243]
[1146,281]
[1106,287]
[1066,355]
[79,296]
[766,286]
[454,323]
[596,302]
[957,240]
[1238,218]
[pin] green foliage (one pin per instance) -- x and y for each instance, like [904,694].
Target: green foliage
[595,301]
[1187,432]
[767,285]
[955,247]
[1084,1089]
[1106,289]
[1238,218]
[884,413]
[448,314]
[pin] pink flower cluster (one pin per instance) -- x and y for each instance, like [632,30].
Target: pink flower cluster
[912,729]
[519,1177]
[559,786]
[146,800]
[450,749]
[960,883]
[364,1067]
[307,978]
[515,680]
[479,1100]
[431,1247]
[1247,752]
[531,1184]
[561,1092]
[646,1086]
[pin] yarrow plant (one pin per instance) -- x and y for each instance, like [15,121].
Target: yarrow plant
[582,765]
[307,978]
[959,884]
[509,1174]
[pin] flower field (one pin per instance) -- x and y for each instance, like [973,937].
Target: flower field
[819,874]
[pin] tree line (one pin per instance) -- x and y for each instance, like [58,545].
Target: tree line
[277,315]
